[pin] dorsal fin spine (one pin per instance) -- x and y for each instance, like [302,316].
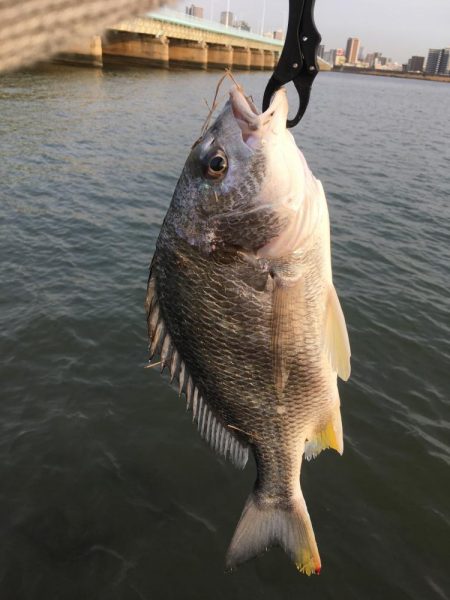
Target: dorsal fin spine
[209,427]
[153,317]
[227,444]
[223,439]
[165,352]
[159,334]
[199,411]
[174,364]
[204,420]
[215,434]
[201,418]
[194,404]
[181,378]
[189,393]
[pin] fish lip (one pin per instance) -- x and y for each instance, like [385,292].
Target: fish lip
[244,110]
[252,122]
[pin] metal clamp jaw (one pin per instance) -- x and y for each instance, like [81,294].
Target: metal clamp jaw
[298,60]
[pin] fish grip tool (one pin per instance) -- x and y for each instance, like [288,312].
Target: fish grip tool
[298,60]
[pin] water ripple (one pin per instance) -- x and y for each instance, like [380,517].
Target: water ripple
[106,488]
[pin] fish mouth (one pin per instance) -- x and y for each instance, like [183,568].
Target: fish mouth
[255,125]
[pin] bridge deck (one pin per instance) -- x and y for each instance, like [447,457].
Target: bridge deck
[173,24]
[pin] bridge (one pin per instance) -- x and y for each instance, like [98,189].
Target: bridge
[172,39]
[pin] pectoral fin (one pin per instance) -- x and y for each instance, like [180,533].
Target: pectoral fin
[285,328]
[336,342]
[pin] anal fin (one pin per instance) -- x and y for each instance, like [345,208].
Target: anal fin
[329,436]
[221,438]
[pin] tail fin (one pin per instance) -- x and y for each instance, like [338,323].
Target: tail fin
[263,526]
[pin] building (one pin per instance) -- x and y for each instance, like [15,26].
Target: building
[415,64]
[438,62]
[278,34]
[375,59]
[330,57]
[227,18]
[340,58]
[334,57]
[352,51]
[194,11]
[242,25]
[320,50]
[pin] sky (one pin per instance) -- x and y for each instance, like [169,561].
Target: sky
[397,28]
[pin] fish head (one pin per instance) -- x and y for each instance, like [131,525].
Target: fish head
[245,184]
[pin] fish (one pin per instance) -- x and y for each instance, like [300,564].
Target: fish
[243,314]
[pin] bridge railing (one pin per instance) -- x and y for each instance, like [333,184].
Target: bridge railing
[179,18]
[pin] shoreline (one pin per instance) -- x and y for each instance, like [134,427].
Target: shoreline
[398,74]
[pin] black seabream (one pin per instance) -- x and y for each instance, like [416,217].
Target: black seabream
[243,313]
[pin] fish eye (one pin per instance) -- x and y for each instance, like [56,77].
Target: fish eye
[217,165]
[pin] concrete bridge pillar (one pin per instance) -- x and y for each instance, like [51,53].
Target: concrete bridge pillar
[140,49]
[184,53]
[241,58]
[257,59]
[87,54]
[220,56]
[269,59]
[158,50]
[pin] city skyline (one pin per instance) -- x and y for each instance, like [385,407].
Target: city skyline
[397,28]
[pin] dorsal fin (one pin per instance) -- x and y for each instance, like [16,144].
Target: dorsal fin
[211,428]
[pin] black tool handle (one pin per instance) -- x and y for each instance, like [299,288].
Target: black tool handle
[310,38]
[298,60]
[291,59]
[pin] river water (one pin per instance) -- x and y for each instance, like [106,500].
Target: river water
[106,490]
